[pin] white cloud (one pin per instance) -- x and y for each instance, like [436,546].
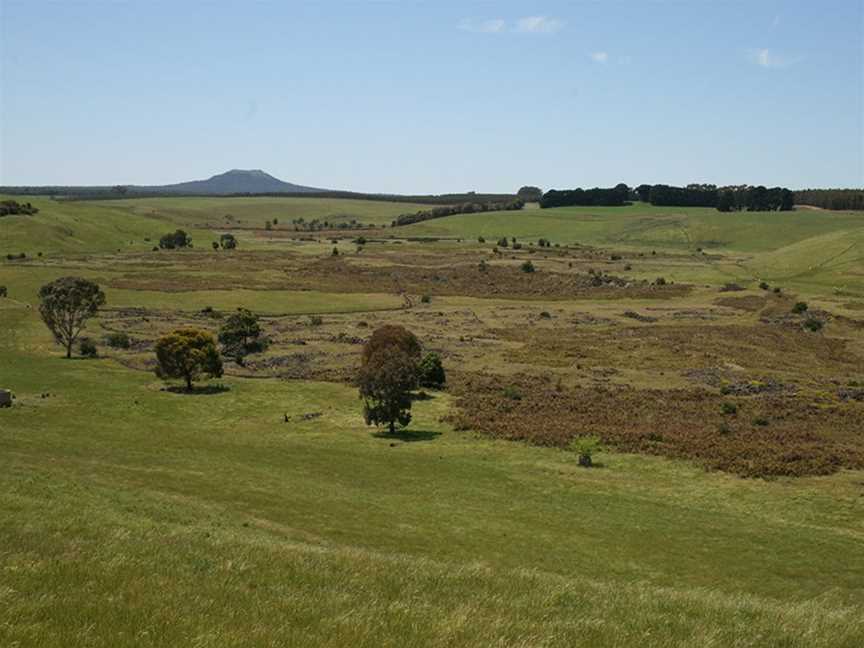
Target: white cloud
[492,26]
[776,22]
[538,25]
[769,59]
[600,57]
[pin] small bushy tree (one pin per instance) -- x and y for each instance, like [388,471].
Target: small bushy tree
[241,335]
[228,242]
[188,354]
[431,371]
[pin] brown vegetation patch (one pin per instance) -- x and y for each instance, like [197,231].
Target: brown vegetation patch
[771,435]
[758,348]
[749,303]
[496,280]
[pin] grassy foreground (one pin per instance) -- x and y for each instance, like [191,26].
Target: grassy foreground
[139,517]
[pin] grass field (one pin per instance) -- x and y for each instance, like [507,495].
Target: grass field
[137,516]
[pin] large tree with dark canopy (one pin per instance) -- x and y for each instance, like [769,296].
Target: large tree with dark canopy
[65,306]
[530,194]
[388,373]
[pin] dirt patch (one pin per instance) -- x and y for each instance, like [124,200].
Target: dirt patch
[771,435]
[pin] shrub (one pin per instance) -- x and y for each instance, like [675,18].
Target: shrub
[360,240]
[660,281]
[517,246]
[431,371]
[585,447]
[502,242]
[800,307]
[315,320]
[813,324]
[729,409]
[228,241]
[118,340]
[483,266]
[527,267]
[545,315]
[512,392]
[761,421]
[335,251]
[763,285]
[87,348]
[480,239]
[215,245]
[4,291]
[425,299]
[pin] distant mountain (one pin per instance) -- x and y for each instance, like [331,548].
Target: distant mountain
[235,181]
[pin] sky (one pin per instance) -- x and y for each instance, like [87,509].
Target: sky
[431,97]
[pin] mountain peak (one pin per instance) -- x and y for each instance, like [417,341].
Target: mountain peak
[236,181]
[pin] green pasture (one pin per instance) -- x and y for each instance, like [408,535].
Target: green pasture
[140,517]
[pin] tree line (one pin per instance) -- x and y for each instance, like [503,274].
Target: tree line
[597,197]
[831,198]
[512,204]
[724,199]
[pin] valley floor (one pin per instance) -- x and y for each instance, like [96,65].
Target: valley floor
[131,515]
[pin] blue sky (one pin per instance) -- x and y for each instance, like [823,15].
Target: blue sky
[420,97]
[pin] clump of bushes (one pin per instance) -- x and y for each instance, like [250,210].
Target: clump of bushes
[425,299]
[763,285]
[12,207]
[177,239]
[527,267]
[118,340]
[585,448]
[3,291]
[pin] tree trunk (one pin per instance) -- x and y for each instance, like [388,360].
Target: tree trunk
[188,383]
[392,427]
[68,350]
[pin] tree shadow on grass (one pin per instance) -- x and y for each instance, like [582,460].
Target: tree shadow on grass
[408,436]
[197,390]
